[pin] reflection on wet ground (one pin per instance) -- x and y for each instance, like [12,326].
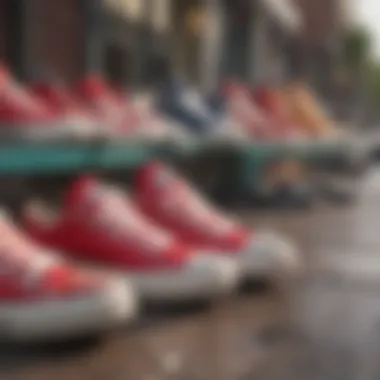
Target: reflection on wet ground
[244,337]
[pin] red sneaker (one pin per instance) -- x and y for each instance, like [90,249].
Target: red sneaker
[43,298]
[272,104]
[127,117]
[100,225]
[62,103]
[175,205]
[109,106]
[24,116]
[243,109]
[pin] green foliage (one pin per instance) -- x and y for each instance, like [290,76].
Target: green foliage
[359,64]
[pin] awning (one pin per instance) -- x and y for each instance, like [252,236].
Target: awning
[286,12]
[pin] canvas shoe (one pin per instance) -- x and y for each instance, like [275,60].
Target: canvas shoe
[187,107]
[269,100]
[100,225]
[175,205]
[23,116]
[306,111]
[59,99]
[44,298]
[114,108]
[256,124]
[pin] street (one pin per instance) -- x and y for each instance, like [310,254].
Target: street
[244,337]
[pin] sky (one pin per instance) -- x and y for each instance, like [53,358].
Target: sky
[368,14]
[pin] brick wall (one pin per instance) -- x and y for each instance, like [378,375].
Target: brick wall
[57,38]
[321,20]
[3,38]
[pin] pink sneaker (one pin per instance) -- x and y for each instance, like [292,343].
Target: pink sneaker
[172,203]
[44,298]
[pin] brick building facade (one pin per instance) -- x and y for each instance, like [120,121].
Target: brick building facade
[57,37]
[118,37]
[321,40]
[42,36]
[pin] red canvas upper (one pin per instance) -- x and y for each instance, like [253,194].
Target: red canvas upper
[99,223]
[29,272]
[57,97]
[110,106]
[175,205]
[18,106]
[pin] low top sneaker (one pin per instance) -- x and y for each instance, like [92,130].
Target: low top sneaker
[271,101]
[172,203]
[100,225]
[190,110]
[306,111]
[245,112]
[24,116]
[44,298]
[58,98]
[108,106]
[143,120]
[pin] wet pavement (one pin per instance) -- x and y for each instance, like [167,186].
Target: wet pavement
[244,337]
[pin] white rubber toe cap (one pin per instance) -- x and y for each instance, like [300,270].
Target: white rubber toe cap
[204,276]
[44,320]
[269,254]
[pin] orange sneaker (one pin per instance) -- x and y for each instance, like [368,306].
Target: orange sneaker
[306,111]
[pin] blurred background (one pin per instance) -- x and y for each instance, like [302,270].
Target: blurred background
[322,192]
[207,40]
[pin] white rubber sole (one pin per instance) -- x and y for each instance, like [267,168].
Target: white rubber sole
[205,277]
[53,320]
[268,255]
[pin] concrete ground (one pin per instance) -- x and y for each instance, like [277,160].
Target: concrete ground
[245,337]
